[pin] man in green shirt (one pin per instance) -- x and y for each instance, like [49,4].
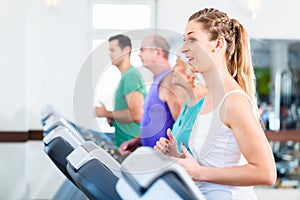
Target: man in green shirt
[129,95]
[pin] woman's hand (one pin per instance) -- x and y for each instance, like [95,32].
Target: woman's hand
[190,165]
[168,147]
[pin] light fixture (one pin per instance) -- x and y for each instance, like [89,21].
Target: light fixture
[251,7]
[254,6]
[52,3]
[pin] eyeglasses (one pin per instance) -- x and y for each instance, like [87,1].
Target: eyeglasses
[149,48]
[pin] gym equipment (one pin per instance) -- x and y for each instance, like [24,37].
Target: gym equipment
[94,171]
[148,174]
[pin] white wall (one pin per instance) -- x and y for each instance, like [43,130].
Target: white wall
[41,51]
[275,19]
[13,56]
[12,171]
[57,47]
[57,39]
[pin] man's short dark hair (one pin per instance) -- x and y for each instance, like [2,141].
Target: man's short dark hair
[123,40]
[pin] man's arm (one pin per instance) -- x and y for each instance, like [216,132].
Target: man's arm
[132,114]
[135,109]
[171,95]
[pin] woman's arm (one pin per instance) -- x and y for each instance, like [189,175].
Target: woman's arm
[238,115]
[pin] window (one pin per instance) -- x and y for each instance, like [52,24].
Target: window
[112,17]
[108,18]
[121,16]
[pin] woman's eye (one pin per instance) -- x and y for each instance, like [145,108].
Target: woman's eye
[189,39]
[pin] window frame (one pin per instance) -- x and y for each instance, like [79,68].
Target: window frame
[104,34]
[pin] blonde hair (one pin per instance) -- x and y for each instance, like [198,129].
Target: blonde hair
[238,54]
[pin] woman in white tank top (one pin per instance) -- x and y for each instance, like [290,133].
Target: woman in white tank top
[230,151]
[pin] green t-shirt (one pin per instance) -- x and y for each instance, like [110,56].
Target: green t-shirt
[131,81]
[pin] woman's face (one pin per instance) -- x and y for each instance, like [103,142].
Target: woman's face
[197,47]
[183,74]
[180,66]
[180,75]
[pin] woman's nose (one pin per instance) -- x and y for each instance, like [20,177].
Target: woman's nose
[183,49]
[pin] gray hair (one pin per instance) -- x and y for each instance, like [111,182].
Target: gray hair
[161,42]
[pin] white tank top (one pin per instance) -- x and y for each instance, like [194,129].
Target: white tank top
[213,145]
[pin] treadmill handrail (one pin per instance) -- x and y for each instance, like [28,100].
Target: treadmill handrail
[135,172]
[88,151]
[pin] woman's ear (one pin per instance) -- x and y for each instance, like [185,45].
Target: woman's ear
[219,44]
